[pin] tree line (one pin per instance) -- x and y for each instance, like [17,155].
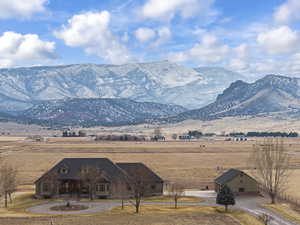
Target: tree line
[265,134]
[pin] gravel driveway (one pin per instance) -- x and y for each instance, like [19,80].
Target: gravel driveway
[249,204]
[93,207]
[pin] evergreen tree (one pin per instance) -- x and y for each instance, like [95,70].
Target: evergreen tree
[225,197]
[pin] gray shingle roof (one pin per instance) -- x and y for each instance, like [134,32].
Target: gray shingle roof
[131,168]
[74,166]
[227,176]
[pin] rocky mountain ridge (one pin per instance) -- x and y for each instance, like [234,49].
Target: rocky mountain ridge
[97,112]
[271,94]
[160,82]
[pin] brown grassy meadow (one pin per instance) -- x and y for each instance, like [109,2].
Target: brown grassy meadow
[193,164]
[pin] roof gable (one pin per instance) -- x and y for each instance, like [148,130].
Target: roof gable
[74,166]
[229,175]
[131,168]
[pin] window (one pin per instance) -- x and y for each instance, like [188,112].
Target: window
[153,187]
[64,170]
[100,188]
[128,188]
[241,189]
[84,170]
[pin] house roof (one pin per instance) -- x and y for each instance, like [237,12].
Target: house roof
[228,176]
[74,166]
[132,168]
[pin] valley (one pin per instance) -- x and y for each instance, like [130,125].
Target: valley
[176,161]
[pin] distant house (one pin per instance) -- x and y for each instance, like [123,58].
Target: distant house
[111,180]
[238,181]
[36,138]
[185,137]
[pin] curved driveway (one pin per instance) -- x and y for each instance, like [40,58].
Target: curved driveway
[248,204]
[93,207]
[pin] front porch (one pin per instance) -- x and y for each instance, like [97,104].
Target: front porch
[78,189]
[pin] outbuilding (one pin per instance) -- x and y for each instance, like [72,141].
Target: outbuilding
[238,181]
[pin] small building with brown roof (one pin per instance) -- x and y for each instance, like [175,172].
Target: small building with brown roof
[99,177]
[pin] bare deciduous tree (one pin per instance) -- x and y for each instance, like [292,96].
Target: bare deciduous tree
[270,162]
[51,178]
[8,181]
[265,218]
[91,176]
[177,192]
[138,185]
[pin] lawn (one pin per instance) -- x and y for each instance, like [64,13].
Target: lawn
[21,202]
[285,210]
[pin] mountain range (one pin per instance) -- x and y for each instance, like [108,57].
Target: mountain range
[160,82]
[96,112]
[271,94]
[110,95]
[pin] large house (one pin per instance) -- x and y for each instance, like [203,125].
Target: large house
[97,178]
[238,181]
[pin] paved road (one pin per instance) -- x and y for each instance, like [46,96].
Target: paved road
[248,204]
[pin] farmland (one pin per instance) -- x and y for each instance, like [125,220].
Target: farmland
[193,164]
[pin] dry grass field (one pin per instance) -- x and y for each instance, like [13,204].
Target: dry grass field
[190,163]
[130,219]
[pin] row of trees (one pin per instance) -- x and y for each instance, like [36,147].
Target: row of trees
[265,134]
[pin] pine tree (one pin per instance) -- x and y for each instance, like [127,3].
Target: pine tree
[225,197]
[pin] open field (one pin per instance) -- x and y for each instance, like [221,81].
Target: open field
[227,125]
[193,164]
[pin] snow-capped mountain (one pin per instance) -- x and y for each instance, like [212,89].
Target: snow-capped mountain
[267,95]
[98,111]
[161,82]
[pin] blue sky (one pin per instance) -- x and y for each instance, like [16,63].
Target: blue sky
[250,36]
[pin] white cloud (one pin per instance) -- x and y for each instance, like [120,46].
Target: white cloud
[208,51]
[91,31]
[241,51]
[225,20]
[287,12]
[163,9]
[178,57]
[17,49]
[278,41]
[238,64]
[144,34]
[21,8]
[164,35]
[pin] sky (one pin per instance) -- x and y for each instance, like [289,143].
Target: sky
[252,37]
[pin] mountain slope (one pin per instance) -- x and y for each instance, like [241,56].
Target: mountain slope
[95,112]
[161,82]
[267,95]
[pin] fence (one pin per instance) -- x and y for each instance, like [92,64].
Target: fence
[290,199]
